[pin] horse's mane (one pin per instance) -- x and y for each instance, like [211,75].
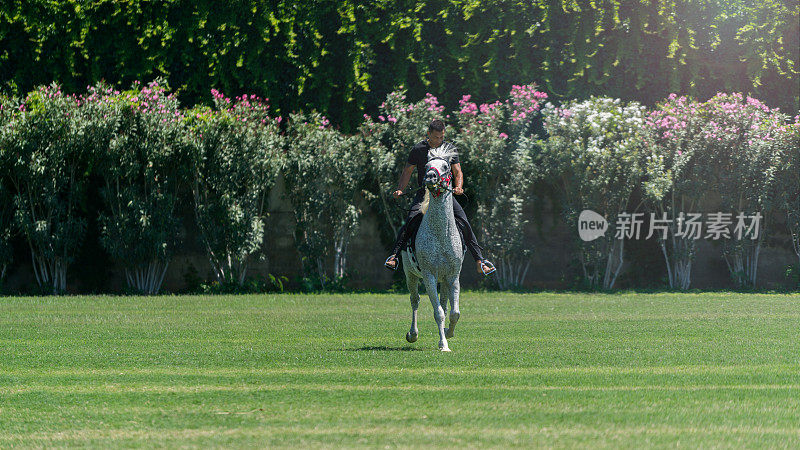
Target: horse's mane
[425,202]
[445,151]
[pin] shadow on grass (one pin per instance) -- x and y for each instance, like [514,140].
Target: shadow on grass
[382,348]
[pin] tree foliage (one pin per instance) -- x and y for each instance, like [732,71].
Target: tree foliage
[499,152]
[325,175]
[679,174]
[238,154]
[594,152]
[743,138]
[143,167]
[343,57]
[50,143]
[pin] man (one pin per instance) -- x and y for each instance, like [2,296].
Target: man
[417,160]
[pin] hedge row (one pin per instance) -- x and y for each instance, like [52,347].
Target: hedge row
[149,154]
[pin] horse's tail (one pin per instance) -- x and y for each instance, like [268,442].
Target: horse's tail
[425,201]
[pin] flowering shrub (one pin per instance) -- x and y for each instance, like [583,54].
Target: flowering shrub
[787,186]
[524,101]
[49,142]
[499,171]
[595,151]
[237,156]
[8,107]
[679,175]
[143,167]
[741,135]
[142,146]
[399,126]
[325,173]
[482,143]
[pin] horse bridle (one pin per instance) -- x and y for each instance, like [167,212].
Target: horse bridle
[444,182]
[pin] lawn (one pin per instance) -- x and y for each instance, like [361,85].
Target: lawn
[546,369]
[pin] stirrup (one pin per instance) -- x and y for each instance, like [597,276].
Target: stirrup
[396,262]
[487,268]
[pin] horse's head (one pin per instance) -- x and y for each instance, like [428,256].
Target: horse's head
[438,176]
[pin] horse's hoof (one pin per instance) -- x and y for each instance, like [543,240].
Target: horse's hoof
[445,349]
[411,337]
[449,334]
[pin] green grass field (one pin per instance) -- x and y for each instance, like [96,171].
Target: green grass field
[555,370]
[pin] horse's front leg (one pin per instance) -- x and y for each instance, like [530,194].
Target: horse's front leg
[438,312]
[413,287]
[453,292]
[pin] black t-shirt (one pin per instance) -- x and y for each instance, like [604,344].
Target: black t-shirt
[419,157]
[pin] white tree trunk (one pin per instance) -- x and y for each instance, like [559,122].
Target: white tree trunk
[679,262]
[742,263]
[50,273]
[230,269]
[242,272]
[147,279]
[503,274]
[321,272]
[340,257]
[614,265]
[511,271]
[794,234]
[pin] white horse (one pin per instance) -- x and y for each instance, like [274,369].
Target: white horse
[439,252]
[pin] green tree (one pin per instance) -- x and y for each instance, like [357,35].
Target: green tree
[343,57]
[325,175]
[679,174]
[143,168]
[743,137]
[238,157]
[50,144]
[594,152]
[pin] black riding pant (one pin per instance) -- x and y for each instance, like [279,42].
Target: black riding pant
[415,218]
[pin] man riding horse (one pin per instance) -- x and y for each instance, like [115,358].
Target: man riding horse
[417,160]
